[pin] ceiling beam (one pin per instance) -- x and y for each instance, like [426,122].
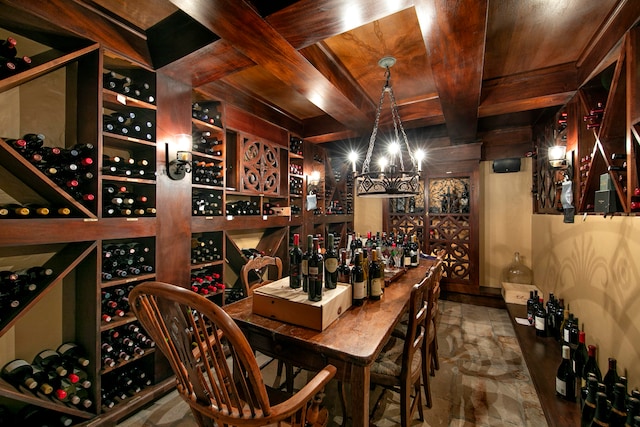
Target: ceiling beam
[212,62]
[623,17]
[329,18]
[455,37]
[239,24]
[536,89]
[81,19]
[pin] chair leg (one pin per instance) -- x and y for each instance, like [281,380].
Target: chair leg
[418,400]
[343,402]
[434,356]
[405,405]
[425,382]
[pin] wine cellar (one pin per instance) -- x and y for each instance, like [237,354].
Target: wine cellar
[101,213]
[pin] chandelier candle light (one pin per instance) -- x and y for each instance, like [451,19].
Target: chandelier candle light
[392,180]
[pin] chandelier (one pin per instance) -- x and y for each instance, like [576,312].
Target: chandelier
[391,180]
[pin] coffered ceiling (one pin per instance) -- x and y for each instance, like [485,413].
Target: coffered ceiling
[310,66]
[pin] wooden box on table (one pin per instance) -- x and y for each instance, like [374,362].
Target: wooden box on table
[277,300]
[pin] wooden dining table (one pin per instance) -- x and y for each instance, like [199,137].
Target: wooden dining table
[351,343]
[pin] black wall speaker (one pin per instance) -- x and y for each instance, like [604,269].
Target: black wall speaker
[506,165]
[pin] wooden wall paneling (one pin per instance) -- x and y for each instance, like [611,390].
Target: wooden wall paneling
[173,236]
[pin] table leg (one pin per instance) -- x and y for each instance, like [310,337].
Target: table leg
[360,379]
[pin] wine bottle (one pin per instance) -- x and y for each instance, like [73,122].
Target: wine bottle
[540,319]
[8,48]
[344,272]
[601,417]
[51,362]
[316,268]
[35,416]
[579,359]
[414,251]
[531,304]
[406,258]
[44,385]
[376,276]
[633,410]
[358,280]
[305,263]
[591,367]
[618,409]
[19,373]
[295,263]
[565,377]
[330,264]
[589,406]
[65,390]
[611,378]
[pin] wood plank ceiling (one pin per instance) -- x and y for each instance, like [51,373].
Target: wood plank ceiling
[310,66]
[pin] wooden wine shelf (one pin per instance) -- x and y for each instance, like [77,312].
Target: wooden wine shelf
[148,352]
[61,263]
[35,180]
[132,404]
[9,391]
[128,279]
[119,101]
[47,61]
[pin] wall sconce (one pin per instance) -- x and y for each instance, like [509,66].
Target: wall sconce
[314,178]
[558,156]
[178,164]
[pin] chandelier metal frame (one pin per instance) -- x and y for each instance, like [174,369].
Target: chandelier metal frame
[394,182]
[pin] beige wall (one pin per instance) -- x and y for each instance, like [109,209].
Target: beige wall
[594,264]
[505,220]
[367,214]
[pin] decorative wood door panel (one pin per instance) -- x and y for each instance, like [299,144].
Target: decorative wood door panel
[452,227]
[260,169]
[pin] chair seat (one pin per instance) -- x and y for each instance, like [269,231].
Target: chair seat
[389,361]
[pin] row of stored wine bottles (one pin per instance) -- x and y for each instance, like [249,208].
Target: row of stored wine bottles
[18,288]
[55,375]
[120,260]
[11,62]
[34,416]
[121,385]
[137,88]
[121,344]
[578,378]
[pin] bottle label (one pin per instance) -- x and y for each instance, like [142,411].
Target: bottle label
[561,387]
[331,264]
[407,261]
[565,335]
[376,287]
[313,272]
[540,323]
[359,290]
[305,267]
[14,365]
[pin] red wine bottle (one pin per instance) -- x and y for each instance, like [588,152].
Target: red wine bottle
[8,48]
[72,353]
[565,377]
[316,268]
[611,378]
[540,319]
[358,280]
[330,264]
[295,263]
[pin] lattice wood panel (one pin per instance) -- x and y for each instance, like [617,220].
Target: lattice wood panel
[260,172]
[451,233]
[408,224]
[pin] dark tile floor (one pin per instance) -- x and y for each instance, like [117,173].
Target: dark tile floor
[482,380]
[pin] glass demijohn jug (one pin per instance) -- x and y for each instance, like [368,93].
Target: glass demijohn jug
[517,272]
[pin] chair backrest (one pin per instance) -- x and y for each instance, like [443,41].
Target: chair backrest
[416,328]
[260,266]
[436,272]
[194,334]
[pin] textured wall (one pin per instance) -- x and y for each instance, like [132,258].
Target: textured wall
[505,220]
[595,266]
